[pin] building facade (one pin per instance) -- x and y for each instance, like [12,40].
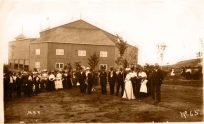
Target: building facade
[69,43]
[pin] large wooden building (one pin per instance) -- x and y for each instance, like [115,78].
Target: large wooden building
[69,43]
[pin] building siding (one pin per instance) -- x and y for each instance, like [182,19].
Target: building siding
[42,58]
[71,54]
[20,50]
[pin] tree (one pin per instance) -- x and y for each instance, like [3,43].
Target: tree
[93,60]
[132,57]
[122,46]
[120,61]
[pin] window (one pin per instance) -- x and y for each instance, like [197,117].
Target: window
[37,51]
[81,52]
[37,65]
[103,54]
[103,65]
[59,65]
[26,66]
[59,51]
[15,64]
[21,63]
[26,62]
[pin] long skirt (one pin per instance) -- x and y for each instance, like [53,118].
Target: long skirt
[143,87]
[58,84]
[128,91]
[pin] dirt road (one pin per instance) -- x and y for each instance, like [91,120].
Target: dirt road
[179,104]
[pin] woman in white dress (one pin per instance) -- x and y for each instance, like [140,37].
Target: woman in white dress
[143,87]
[128,91]
[58,82]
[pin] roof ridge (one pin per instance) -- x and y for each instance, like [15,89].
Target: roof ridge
[67,24]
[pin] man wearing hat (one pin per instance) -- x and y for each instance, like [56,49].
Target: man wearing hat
[25,80]
[89,79]
[103,80]
[157,78]
[81,76]
[19,84]
[44,80]
[120,81]
[111,80]
[51,81]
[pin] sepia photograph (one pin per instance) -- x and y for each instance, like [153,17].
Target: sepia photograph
[101,61]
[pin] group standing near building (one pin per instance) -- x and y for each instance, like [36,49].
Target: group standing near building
[129,83]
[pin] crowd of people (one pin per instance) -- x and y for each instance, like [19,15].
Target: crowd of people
[133,83]
[190,73]
[129,83]
[33,83]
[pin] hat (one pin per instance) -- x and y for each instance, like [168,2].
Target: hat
[127,69]
[34,72]
[87,68]
[24,72]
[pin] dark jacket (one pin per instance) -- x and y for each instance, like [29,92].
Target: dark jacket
[113,78]
[90,77]
[157,77]
[121,77]
[81,77]
[103,77]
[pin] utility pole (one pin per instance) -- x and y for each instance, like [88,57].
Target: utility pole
[161,47]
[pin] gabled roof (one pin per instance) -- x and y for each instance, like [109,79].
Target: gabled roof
[79,32]
[75,24]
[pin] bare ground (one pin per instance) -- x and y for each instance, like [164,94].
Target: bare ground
[71,106]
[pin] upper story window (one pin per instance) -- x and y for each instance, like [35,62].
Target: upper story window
[37,51]
[59,51]
[81,52]
[103,54]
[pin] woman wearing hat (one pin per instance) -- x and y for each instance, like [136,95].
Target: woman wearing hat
[58,81]
[128,91]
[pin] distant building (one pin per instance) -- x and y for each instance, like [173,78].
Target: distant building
[69,43]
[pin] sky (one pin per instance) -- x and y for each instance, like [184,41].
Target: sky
[179,24]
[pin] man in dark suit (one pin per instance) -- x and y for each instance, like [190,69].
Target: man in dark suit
[81,76]
[103,81]
[6,86]
[89,79]
[19,81]
[111,80]
[120,81]
[157,78]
